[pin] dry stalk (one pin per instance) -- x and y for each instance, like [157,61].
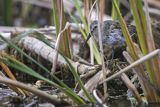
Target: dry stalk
[130,86]
[57,48]
[42,94]
[99,101]
[10,75]
[90,41]
[92,83]
[101,51]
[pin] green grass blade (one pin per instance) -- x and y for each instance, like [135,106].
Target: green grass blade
[19,50]
[125,32]
[41,66]
[20,66]
[32,33]
[140,20]
[141,27]
[114,13]
[60,22]
[147,90]
[84,33]
[22,35]
[55,15]
[79,80]
[78,8]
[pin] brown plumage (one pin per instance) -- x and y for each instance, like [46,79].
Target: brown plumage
[112,37]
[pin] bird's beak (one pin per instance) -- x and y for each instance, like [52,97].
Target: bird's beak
[88,37]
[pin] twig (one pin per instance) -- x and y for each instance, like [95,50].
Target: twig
[92,83]
[139,61]
[149,31]
[99,101]
[131,87]
[40,93]
[101,50]
[10,75]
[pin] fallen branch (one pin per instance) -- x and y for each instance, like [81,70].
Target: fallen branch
[42,94]
[41,49]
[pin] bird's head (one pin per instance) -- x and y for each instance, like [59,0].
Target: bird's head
[93,28]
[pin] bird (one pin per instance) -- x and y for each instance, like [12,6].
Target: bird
[112,36]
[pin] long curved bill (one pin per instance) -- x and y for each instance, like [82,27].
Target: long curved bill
[88,37]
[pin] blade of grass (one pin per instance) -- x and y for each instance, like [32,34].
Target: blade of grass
[33,33]
[22,35]
[141,27]
[10,75]
[55,15]
[41,66]
[20,66]
[151,45]
[57,47]
[148,91]
[76,3]
[131,48]
[95,49]
[35,91]
[19,50]
[125,32]
[60,22]
[79,80]
[114,13]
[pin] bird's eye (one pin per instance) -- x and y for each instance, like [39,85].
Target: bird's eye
[94,27]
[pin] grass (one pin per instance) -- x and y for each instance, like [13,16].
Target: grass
[144,33]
